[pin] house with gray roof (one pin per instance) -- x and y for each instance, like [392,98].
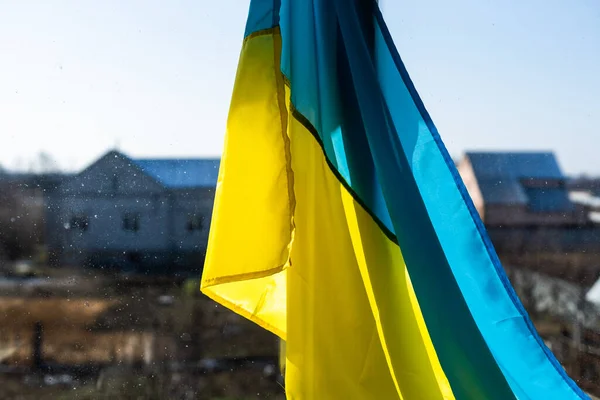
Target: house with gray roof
[531,217]
[519,189]
[133,214]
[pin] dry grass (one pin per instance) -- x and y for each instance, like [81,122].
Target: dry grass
[102,323]
[17,312]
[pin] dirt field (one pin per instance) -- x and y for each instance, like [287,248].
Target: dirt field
[131,332]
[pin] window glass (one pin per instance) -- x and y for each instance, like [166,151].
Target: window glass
[131,222]
[113,117]
[195,223]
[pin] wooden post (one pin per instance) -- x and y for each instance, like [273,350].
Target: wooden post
[38,331]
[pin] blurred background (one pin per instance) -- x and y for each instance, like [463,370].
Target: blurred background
[112,122]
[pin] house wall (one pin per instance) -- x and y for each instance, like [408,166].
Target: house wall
[519,215]
[188,247]
[188,203]
[467,174]
[105,232]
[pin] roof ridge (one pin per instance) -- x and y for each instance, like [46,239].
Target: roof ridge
[179,173]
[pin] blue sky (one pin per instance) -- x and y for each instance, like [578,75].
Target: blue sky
[154,78]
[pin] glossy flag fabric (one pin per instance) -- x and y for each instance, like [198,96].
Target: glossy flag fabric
[341,224]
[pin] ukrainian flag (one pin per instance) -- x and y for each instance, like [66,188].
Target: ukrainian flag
[342,226]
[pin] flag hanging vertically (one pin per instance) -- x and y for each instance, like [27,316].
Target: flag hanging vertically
[341,224]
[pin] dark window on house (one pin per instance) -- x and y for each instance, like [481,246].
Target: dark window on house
[115,183]
[194,223]
[131,222]
[79,222]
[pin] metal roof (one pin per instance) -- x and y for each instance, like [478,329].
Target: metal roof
[516,165]
[502,192]
[181,173]
[501,176]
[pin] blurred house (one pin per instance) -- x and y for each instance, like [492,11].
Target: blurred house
[134,214]
[519,189]
[527,206]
